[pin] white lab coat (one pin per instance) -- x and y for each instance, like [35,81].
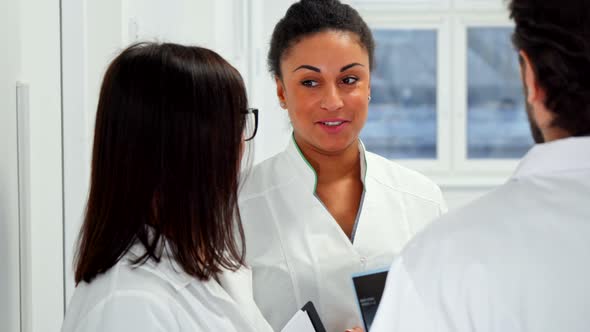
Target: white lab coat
[298,252]
[515,260]
[158,297]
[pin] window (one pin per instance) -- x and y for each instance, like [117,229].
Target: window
[402,115]
[447,97]
[496,121]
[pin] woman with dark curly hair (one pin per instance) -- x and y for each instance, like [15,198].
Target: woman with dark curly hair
[325,208]
[158,250]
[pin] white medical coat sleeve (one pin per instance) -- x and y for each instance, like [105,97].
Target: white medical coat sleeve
[238,285]
[401,307]
[129,311]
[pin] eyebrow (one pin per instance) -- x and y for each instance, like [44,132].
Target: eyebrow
[317,70]
[350,66]
[312,68]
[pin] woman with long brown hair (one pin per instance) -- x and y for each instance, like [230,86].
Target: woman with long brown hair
[158,249]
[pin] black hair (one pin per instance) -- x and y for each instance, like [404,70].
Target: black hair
[556,37]
[165,163]
[308,17]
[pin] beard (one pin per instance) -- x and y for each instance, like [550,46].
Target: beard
[535,130]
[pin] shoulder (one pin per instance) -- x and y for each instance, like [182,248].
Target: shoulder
[265,176]
[471,250]
[402,179]
[149,280]
[110,301]
[477,233]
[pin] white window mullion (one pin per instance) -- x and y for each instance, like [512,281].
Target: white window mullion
[459,118]
[444,97]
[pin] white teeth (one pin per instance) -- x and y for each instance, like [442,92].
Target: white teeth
[335,123]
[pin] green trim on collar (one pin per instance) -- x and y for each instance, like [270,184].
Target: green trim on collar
[315,186]
[363,157]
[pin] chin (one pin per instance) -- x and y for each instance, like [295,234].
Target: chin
[336,145]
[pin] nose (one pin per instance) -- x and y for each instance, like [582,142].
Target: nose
[331,100]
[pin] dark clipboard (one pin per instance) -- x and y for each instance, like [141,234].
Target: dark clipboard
[368,287]
[309,308]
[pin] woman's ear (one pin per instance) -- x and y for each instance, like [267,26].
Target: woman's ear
[281,94]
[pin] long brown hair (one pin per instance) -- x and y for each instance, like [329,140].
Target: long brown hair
[166,154]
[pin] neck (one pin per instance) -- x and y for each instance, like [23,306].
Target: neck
[332,166]
[554,133]
[544,121]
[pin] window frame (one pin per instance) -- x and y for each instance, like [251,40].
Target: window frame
[477,5]
[461,161]
[388,19]
[397,5]
[452,18]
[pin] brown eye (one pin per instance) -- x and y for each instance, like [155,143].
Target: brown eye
[310,83]
[350,80]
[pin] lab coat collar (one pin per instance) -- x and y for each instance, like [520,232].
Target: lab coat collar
[167,269]
[227,285]
[568,154]
[302,165]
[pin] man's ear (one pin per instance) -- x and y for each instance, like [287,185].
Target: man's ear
[535,92]
[281,93]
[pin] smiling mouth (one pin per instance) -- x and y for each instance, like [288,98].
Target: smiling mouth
[332,123]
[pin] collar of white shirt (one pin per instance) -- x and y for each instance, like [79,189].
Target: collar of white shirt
[167,268]
[304,168]
[568,154]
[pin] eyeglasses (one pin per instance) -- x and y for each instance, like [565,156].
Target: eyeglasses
[251,125]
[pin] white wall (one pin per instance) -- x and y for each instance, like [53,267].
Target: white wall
[92,35]
[179,21]
[43,243]
[274,126]
[29,32]
[76,127]
[221,25]
[9,221]
[30,250]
